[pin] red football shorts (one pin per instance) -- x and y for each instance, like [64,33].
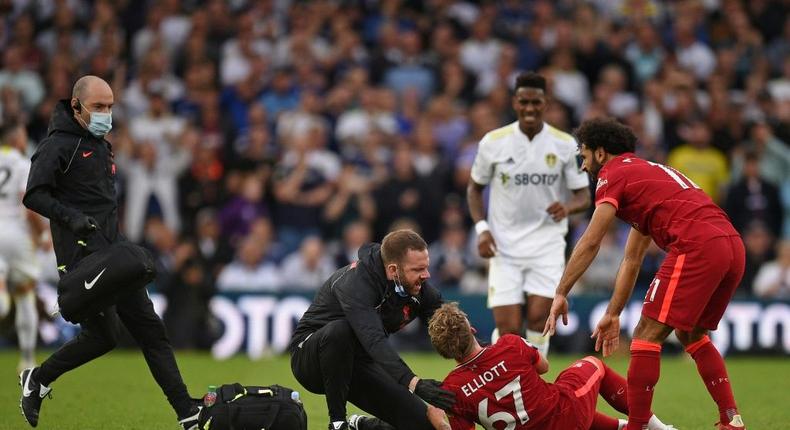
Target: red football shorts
[694,288]
[580,384]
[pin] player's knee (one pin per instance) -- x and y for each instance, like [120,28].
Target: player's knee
[688,337]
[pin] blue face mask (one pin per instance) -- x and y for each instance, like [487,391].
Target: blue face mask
[399,289]
[100,124]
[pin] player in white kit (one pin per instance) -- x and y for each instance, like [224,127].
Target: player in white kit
[535,183]
[18,226]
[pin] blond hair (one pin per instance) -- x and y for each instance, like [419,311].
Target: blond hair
[450,332]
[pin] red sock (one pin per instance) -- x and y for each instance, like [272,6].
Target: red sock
[604,422]
[643,372]
[711,368]
[614,389]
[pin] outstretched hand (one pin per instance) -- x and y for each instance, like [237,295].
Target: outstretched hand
[607,334]
[431,391]
[559,307]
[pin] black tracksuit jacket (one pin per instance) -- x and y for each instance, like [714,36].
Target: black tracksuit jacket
[361,294]
[72,173]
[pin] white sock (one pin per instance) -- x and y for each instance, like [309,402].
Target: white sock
[655,424]
[541,342]
[621,424]
[26,323]
[494,336]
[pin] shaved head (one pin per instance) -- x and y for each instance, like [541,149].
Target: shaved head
[87,84]
[90,94]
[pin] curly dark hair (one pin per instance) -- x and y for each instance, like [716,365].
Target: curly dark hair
[449,331]
[607,133]
[530,80]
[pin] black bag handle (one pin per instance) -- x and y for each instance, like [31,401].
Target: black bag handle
[83,245]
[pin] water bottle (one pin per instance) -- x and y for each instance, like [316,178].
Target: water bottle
[211,396]
[295,397]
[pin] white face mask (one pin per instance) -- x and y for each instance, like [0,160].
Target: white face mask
[100,122]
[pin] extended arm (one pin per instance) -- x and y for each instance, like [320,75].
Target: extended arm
[583,254]
[587,248]
[607,332]
[635,249]
[485,240]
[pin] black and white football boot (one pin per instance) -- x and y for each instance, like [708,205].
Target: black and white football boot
[32,395]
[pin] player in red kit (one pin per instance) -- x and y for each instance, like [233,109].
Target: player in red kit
[499,386]
[691,290]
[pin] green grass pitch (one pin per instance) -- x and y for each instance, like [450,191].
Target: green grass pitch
[117,392]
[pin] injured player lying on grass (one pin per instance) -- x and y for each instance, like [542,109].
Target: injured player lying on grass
[501,383]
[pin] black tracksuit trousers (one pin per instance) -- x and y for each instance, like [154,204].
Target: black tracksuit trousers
[100,334]
[331,361]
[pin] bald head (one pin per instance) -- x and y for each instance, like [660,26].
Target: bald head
[89,84]
[93,93]
[90,94]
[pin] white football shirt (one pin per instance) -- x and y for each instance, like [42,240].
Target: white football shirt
[525,177]
[14,168]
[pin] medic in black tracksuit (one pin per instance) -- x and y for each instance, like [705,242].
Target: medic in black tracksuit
[340,345]
[72,182]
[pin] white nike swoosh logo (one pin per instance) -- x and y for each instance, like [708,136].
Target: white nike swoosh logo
[26,391]
[89,285]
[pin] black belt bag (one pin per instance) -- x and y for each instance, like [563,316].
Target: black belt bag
[101,278]
[253,408]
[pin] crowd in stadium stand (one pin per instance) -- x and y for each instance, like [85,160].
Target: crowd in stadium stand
[260,142]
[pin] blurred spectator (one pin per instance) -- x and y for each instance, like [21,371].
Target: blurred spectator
[201,184]
[352,200]
[354,125]
[243,57]
[691,53]
[212,248]
[188,290]
[773,278]
[754,199]
[250,271]
[157,125]
[16,76]
[307,268]
[238,214]
[296,123]
[570,86]
[355,234]
[412,69]
[614,82]
[600,277]
[757,241]
[774,155]
[304,181]
[704,165]
[449,260]
[407,195]
[480,53]
[645,53]
[282,94]
[151,170]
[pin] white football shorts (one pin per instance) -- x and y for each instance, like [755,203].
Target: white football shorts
[18,261]
[508,280]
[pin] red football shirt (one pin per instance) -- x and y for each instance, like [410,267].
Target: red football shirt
[661,202]
[500,388]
